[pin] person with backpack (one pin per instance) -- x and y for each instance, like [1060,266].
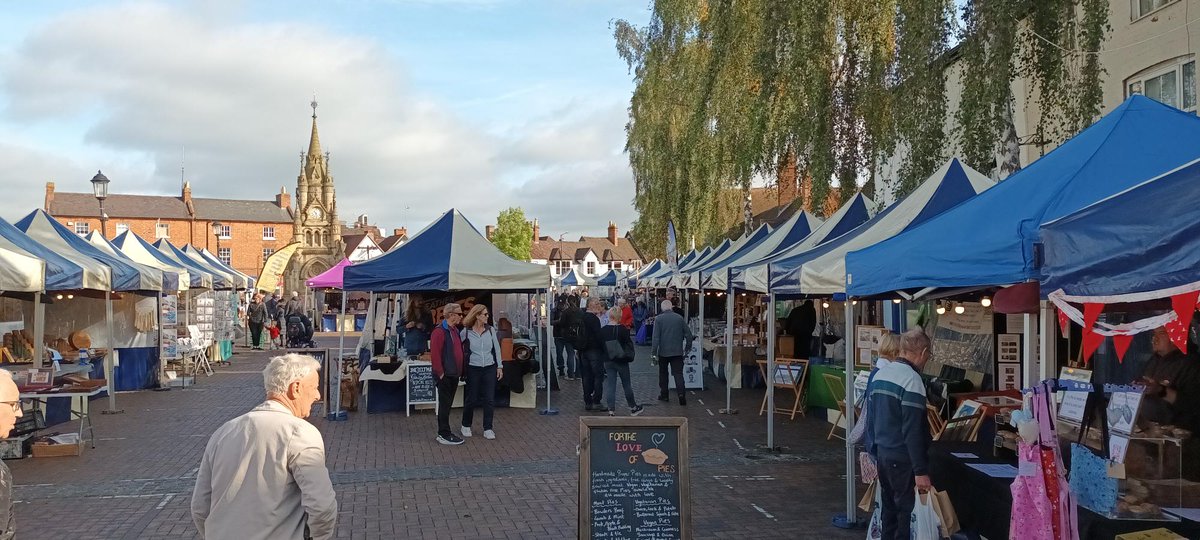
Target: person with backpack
[446,351]
[619,348]
[594,357]
[484,369]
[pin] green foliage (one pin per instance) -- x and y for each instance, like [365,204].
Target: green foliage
[513,234]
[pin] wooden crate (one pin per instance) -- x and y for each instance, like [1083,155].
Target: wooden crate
[43,450]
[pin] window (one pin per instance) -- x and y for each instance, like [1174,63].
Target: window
[226,232]
[616,265]
[562,267]
[636,264]
[591,268]
[225,255]
[121,228]
[1141,8]
[82,228]
[162,230]
[268,233]
[267,253]
[1174,86]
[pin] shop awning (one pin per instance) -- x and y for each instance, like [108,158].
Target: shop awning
[449,254]
[1140,244]
[988,240]
[170,276]
[21,272]
[822,271]
[138,249]
[575,278]
[220,280]
[753,276]
[798,227]
[330,279]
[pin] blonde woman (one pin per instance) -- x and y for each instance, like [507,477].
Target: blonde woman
[484,368]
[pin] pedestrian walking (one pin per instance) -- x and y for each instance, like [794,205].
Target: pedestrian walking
[570,325]
[620,352]
[256,318]
[417,325]
[626,313]
[594,357]
[899,438]
[670,339]
[263,473]
[446,350]
[484,368]
[564,351]
[10,411]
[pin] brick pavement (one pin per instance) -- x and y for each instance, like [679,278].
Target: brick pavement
[394,481]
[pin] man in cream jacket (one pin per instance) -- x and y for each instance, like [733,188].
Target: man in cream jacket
[263,474]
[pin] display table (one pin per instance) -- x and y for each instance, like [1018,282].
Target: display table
[984,503]
[817,390]
[385,389]
[744,370]
[83,413]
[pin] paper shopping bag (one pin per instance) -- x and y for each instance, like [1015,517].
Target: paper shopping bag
[868,498]
[945,512]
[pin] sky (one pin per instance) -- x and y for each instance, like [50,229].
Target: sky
[424,105]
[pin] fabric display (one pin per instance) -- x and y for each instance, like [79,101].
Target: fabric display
[1044,505]
[1090,480]
[145,321]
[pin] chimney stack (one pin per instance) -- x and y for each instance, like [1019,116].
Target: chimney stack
[402,231]
[612,233]
[49,196]
[537,231]
[490,231]
[787,179]
[283,200]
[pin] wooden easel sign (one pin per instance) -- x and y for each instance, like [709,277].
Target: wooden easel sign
[634,482]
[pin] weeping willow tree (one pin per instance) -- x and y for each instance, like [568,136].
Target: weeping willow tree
[729,91]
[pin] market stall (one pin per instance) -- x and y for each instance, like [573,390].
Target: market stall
[450,255]
[209,315]
[332,279]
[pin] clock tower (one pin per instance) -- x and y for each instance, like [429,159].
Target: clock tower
[316,227]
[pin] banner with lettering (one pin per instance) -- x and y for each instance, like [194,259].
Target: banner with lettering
[271,277]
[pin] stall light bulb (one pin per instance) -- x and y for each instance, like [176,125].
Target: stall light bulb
[59,297]
[960,309]
[70,296]
[986,302]
[941,310]
[743,294]
[896,300]
[854,302]
[825,305]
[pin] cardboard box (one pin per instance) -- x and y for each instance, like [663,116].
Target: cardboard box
[1152,534]
[43,450]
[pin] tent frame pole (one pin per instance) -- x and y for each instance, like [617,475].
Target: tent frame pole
[729,353]
[547,368]
[39,330]
[335,370]
[851,516]
[110,363]
[771,372]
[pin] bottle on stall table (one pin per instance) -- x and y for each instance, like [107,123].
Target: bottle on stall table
[83,357]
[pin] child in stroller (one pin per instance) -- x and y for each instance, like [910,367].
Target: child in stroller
[299,332]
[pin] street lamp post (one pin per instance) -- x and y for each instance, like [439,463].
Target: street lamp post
[100,190]
[217,229]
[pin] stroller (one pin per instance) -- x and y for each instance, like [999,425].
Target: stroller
[299,332]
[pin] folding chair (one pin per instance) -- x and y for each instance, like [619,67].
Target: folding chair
[961,429]
[838,391]
[200,352]
[790,374]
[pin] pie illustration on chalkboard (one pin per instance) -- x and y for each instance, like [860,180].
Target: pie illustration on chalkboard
[654,456]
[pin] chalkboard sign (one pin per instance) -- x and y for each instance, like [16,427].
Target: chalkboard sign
[322,356]
[422,388]
[633,479]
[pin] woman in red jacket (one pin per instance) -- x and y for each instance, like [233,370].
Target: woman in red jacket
[446,351]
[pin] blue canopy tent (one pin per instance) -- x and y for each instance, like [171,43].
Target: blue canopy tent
[61,274]
[1140,244]
[654,266]
[241,281]
[170,276]
[126,274]
[140,250]
[715,275]
[988,240]
[575,278]
[752,276]
[610,278]
[691,278]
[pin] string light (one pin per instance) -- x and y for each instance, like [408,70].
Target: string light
[70,296]
[960,309]
[825,304]
[854,302]
[896,300]
[986,301]
[941,310]
[59,297]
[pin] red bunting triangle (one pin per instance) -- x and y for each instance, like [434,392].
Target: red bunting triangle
[1121,343]
[1184,306]
[1064,323]
[1091,342]
[1091,312]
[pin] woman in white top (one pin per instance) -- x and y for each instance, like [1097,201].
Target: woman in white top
[484,368]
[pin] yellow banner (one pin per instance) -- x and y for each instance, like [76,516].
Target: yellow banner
[271,277]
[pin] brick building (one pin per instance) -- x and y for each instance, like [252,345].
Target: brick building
[252,229]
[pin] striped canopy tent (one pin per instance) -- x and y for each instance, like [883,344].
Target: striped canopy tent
[241,281]
[611,278]
[689,278]
[171,276]
[715,275]
[753,276]
[575,278]
[330,279]
[662,278]
[220,280]
[125,274]
[635,279]
[136,248]
[822,271]
[20,271]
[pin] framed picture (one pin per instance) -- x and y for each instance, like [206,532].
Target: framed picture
[39,377]
[867,337]
[866,357]
[1008,350]
[967,408]
[1009,377]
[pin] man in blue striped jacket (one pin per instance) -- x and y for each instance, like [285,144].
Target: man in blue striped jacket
[900,432]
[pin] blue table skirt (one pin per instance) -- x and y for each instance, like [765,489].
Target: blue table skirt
[138,369]
[329,323]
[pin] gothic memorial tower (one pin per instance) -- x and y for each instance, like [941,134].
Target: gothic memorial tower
[316,225]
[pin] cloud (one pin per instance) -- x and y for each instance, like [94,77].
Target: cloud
[129,87]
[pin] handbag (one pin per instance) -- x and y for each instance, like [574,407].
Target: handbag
[866,463]
[924,524]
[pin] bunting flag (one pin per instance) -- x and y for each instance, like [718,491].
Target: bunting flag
[1064,323]
[1121,344]
[1184,306]
[1091,340]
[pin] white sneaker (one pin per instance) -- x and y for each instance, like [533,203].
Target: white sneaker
[466,431]
[489,434]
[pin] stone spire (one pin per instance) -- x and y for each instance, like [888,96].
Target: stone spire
[314,143]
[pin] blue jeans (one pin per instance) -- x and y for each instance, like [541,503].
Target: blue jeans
[481,390]
[615,369]
[571,365]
